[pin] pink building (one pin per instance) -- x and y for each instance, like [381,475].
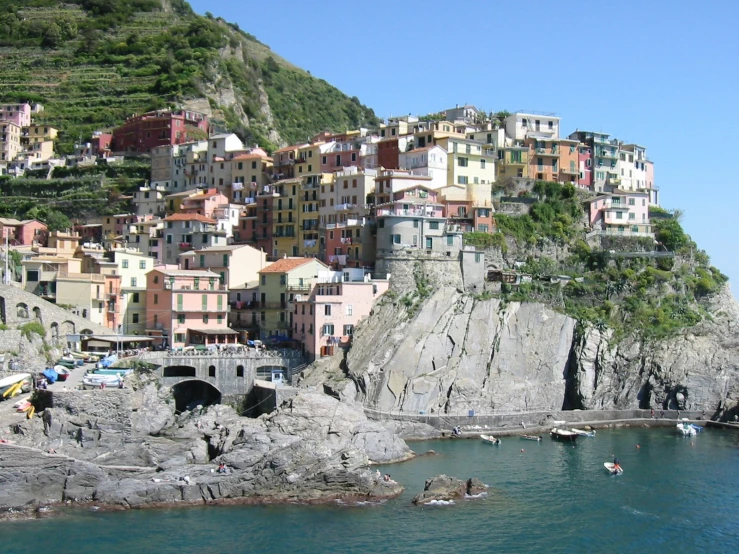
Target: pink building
[621,213]
[187,307]
[20,114]
[26,232]
[585,163]
[204,204]
[327,315]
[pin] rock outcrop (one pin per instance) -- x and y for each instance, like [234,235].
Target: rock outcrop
[459,353]
[98,446]
[445,489]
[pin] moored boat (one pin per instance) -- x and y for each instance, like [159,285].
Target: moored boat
[686,429]
[611,468]
[563,435]
[490,439]
[531,437]
[583,433]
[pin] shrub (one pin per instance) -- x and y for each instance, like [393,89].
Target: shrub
[31,328]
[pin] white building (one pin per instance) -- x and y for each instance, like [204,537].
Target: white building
[522,125]
[431,161]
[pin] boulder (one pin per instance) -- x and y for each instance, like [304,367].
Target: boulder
[445,489]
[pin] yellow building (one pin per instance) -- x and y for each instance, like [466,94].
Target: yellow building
[428,134]
[285,217]
[38,133]
[513,161]
[469,161]
[278,285]
[308,213]
[251,170]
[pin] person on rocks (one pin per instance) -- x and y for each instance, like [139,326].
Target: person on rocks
[378,475]
[651,413]
[221,468]
[661,414]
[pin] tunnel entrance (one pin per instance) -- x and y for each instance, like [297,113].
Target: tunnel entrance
[190,394]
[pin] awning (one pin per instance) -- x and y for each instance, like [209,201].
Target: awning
[113,339]
[214,332]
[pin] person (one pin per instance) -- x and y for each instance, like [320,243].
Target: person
[616,465]
[661,414]
[221,468]
[651,413]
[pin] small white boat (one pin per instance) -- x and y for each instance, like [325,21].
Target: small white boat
[686,429]
[611,468]
[490,439]
[583,433]
[93,381]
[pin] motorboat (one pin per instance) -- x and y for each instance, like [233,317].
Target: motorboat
[123,371]
[686,429]
[531,437]
[583,433]
[611,468]
[490,439]
[698,428]
[563,434]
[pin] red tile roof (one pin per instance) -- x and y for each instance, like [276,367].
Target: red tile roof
[190,217]
[251,157]
[286,264]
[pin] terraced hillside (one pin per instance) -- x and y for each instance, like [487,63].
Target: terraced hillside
[92,63]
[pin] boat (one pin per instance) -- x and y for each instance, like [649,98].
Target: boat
[563,435]
[531,437]
[123,371]
[610,468]
[490,439]
[12,382]
[697,428]
[686,429]
[91,381]
[583,433]
[66,363]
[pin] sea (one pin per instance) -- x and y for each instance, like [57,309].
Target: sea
[677,494]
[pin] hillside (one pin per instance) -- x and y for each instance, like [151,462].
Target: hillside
[92,63]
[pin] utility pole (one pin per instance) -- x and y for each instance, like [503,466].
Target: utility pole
[6,277]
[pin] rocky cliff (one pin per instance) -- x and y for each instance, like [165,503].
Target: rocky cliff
[127,448]
[458,353]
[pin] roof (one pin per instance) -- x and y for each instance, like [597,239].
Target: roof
[9,221]
[286,265]
[224,248]
[113,339]
[190,217]
[251,157]
[183,193]
[224,331]
[187,272]
[288,148]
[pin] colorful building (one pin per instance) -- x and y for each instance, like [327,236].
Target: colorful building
[141,133]
[278,285]
[621,213]
[326,316]
[187,307]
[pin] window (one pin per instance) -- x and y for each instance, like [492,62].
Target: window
[134,318]
[415,224]
[283,279]
[434,225]
[349,309]
[264,280]
[142,263]
[204,301]
[632,215]
[239,371]
[462,162]
[181,319]
[135,298]
[482,164]
[429,243]
[395,239]
[483,212]
[619,215]
[205,318]
[631,202]
[635,229]
[478,257]
[328,329]
[348,330]
[124,264]
[450,240]
[179,337]
[462,179]
[327,309]
[381,223]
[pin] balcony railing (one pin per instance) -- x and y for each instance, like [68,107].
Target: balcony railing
[409,213]
[342,207]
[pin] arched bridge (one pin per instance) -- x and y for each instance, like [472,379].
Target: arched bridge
[232,376]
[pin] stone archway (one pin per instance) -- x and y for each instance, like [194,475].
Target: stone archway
[192,393]
[54,329]
[37,314]
[179,371]
[67,328]
[86,332]
[21,310]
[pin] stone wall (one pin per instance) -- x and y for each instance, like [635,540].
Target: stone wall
[404,267]
[18,307]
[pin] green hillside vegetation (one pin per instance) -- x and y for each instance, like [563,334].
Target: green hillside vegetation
[92,63]
[655,294]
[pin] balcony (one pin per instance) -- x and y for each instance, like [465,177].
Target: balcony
[185,246]
[343,207]
[208,310]
[570,171]
[547,152]
[606,153]
[297,286]
[274,305]
[409,213]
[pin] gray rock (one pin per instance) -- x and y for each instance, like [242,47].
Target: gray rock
[443,488]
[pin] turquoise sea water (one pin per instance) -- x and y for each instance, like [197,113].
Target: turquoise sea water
[550,498]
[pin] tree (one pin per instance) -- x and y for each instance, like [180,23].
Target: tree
[52,37]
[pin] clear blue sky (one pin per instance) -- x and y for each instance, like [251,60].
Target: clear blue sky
[663,74]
